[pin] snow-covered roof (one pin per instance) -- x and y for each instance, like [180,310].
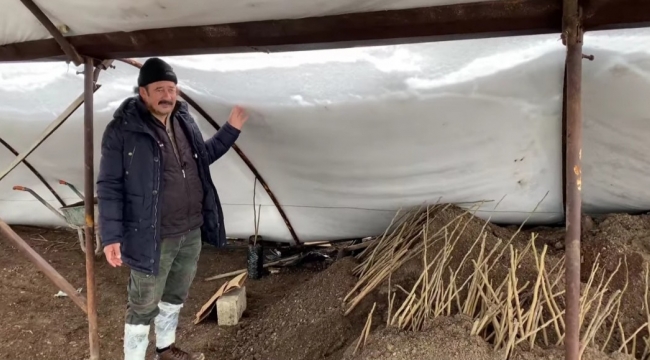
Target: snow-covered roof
[346,137]
[83,17]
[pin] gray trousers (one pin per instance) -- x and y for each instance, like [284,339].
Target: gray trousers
[178,263]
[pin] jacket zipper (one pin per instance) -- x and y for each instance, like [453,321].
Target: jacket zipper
[214,190]
[132,155]
[178,154]
[155,206]
[187,193]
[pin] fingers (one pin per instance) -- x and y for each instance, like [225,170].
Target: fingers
[238,117]
[113,255]
[109,256]
[117,258]
[239,114]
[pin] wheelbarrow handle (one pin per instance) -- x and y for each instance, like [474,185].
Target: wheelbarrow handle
[73,188]
[39,198]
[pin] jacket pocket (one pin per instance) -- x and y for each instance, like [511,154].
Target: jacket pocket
[133,209]
[134,245]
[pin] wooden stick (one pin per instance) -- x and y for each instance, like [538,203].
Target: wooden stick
[241,271]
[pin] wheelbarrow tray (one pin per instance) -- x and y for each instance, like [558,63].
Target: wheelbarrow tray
[75,214]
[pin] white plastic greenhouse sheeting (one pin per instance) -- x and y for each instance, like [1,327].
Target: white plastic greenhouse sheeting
[346,137]
[96,16]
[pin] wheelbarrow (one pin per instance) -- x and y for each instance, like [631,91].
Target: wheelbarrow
[74,215]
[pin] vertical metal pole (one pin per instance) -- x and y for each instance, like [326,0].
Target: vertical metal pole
[572,38]
[89,180]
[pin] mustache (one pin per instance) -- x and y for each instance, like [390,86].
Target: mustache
[165,102]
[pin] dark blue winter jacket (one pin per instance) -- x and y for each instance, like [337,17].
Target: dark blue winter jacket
[130,182]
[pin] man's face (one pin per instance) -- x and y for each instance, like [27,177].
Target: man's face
[160,97]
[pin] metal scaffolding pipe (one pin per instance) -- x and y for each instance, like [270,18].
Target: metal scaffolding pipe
[89,182]
[65,45]
[46,133]
[572,38]
[471,19]
[36,173]
[44,266]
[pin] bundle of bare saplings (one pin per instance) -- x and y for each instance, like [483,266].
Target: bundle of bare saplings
[458,287]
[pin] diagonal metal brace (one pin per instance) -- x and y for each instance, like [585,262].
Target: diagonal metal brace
[67,48]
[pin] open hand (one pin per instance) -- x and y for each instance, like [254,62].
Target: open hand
[113,254]
[238,117]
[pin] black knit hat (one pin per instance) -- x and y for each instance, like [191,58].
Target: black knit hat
[154,69]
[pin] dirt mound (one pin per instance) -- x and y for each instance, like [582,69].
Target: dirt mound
[450,242]
[621,240]
[466,232]
[464,235]
[558,354]
[448,338]
[308,323]
[443,339]
[615,236]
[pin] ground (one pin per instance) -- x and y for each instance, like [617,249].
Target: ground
[283,308]
[42,326]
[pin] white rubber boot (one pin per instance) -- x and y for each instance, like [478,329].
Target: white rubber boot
[136,340]
[166,324]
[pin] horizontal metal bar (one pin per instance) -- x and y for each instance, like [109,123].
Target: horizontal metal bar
[448,22]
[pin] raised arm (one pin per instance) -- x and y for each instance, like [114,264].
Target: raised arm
[225,138]
[110,184]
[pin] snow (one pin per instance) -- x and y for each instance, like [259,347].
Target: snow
[346,137]
[82,17]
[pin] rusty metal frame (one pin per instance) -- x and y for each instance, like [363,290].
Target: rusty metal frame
[90,76]
[564,137]
[65,45]
[572,37]
[239,152]
[33,169]
[44,266]
[436,23]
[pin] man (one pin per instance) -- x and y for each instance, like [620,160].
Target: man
[157,203]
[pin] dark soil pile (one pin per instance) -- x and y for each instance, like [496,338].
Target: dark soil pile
[465,232]
[558,354]
[613,239]
[308,323]
[448,338]
[626,239]
[443,339]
